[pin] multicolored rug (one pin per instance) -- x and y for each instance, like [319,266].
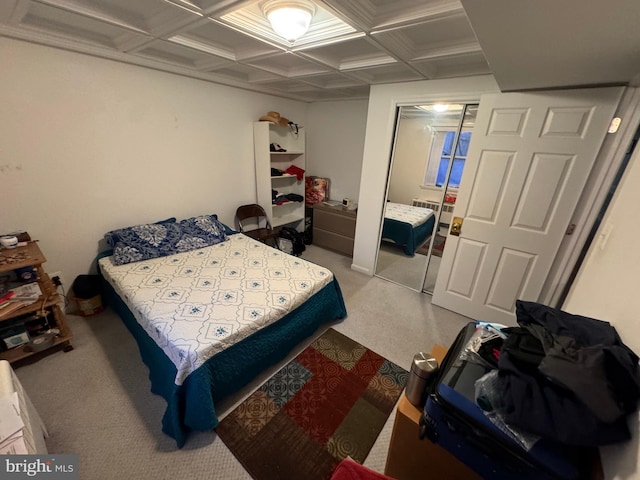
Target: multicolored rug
[328,403]
[438,246]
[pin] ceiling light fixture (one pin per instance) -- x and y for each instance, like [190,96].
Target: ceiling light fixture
[289,19]
[441,108]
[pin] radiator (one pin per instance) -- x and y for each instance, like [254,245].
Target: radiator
[420,202]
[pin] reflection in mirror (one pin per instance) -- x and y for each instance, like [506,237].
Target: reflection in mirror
[448,181]
[422,179]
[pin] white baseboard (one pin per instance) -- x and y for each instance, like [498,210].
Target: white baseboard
[360,269]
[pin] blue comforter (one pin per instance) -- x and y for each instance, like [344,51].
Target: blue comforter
[407,236]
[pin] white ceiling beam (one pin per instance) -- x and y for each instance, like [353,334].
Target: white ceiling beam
[421,13]
[203,47]
[448,51]
[88,12]
[19,12]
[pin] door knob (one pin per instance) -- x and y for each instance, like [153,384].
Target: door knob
[456,226]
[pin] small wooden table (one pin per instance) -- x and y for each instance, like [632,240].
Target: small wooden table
[29,255]
[411,458]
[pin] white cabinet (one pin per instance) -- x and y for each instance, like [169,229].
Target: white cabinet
[288,212]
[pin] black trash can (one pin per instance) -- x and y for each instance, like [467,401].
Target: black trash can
[87,294]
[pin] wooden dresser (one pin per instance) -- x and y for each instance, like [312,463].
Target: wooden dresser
[334,228]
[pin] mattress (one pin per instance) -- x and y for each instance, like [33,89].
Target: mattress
[414,216]
[407,226]
[196,304]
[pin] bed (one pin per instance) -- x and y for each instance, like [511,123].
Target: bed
[207,320]
[407,226]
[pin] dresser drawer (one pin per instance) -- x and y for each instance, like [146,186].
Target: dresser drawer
[332,241]
[335,222]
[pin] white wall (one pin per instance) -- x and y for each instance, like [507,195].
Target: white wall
[335,140]
[383,101]
[608,277]
[88,145]
[605,288]
[410,161]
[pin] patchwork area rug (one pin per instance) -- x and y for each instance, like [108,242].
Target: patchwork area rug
[328,403]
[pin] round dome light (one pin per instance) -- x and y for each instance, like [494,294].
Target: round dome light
[289,19]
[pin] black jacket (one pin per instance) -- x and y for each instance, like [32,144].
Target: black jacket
[580,384]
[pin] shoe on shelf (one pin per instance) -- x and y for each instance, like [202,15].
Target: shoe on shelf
[274,147]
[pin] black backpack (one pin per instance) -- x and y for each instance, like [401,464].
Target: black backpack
[296,238]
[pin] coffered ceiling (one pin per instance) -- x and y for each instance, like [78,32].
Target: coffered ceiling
[350,45]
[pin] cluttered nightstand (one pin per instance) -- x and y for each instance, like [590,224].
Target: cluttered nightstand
[32,323]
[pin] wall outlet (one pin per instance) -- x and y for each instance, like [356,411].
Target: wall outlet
[61,289]
[60,278]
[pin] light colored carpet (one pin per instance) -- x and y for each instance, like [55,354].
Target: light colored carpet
[432,273]
[395,266]
[96,401]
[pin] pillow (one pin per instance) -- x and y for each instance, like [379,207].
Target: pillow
[163,238]
[143,242]
[114,236]
[201,231]
[228,230]
[168,220]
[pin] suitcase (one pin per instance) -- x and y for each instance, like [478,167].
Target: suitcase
[452,419]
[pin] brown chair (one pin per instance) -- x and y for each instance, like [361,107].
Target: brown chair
[252,220]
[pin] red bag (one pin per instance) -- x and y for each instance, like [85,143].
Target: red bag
[316,190]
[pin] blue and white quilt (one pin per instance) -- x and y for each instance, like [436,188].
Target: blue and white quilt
[414,216]
[197,303]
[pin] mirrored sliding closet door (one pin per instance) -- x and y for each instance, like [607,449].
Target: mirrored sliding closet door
[430,147]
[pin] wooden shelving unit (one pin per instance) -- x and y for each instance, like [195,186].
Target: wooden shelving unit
[30,255]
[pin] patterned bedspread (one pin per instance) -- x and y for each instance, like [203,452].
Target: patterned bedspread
[197,303]
[414,216]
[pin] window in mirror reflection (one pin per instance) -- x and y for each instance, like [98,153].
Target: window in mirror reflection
[440,156]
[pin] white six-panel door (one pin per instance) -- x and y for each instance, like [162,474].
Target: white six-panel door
[528,161]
